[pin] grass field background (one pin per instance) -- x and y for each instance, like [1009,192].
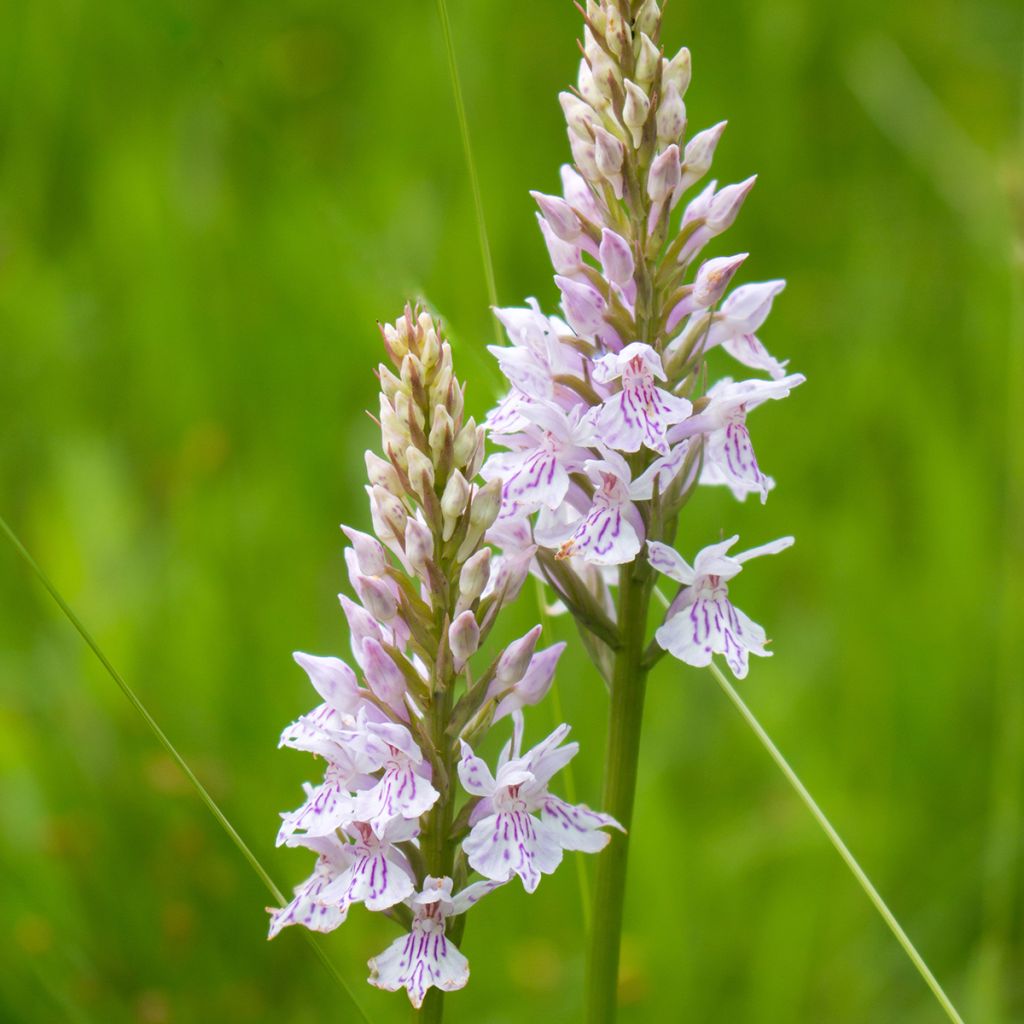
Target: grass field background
[204,207]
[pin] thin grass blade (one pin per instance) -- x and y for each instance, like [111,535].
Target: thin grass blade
[211,804]
[841,848]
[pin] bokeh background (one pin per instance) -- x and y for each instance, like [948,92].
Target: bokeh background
[204,207]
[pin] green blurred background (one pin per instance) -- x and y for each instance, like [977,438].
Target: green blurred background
[204,207]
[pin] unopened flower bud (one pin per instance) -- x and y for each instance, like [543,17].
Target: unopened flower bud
[474,576]
[578,194]
[584,306]
[534,685]
[648,18]
[388,514]
[370,554]
[465,443]
[677,72]
[381,473]
[726,205]
[515,659]
[616,257]
[616,31]
[634,112]
[383,676]
[421,471]
[664,174]
[390,385]
[453,502]
[610,153]
[578,114]
[442,431]
[559,215]
[713,278]
[698,155]
[565,256]
[646,62]
[431,349]
[442,381]
[419,545]
[584,154]
[376,596]
[486,506]
[395,341]
[394,429]
[671,117]
[463,638]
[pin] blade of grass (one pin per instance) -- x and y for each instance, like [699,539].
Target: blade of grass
[833,836]
[841,848]
[474,182]
[211,804]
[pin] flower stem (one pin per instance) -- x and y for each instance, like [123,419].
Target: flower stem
[851,862]
[629,682]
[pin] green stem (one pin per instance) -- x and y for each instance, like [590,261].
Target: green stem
[841,848]
[629,681]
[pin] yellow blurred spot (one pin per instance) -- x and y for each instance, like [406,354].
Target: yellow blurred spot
[33,933]
[538,966]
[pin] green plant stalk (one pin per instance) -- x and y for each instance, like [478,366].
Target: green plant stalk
[841,848]
[626,709]
[204,795]
[438,849]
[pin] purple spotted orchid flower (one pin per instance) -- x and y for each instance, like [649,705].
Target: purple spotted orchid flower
[426,958]
[702,621]
[519,828]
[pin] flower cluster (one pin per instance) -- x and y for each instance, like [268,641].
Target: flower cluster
[388,823]
[608,423]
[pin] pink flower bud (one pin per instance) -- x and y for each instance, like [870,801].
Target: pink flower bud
[648,18]
[387,513]
[559,215]
[700,151]
[534,685]
[634,112]
[579,195]
[726,204]
[485,507]
[583,305]
[676,72]
[376,596]
[664,174]
[713,278]
[671,117]
[610,154]
[421,471]
[361,624]
[646,62]
[463,638]
[419,545]
[474,576]
[585,155]
[384,677]
[616,257]
[565,257]
[381,473]
[370,554]
[578,114]
[515,659]
[453,502]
